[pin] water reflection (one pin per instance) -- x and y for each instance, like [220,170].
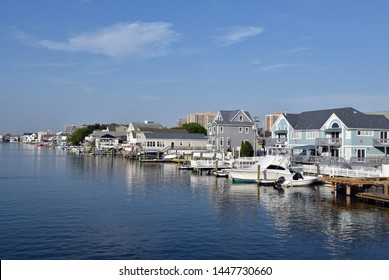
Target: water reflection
[73,206]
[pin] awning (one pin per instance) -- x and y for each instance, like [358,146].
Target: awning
[334,129]
[281,132]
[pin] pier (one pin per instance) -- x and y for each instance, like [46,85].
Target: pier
[358,186]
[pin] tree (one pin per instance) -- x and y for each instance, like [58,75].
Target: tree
[195,128]
[78,136]
[246,149]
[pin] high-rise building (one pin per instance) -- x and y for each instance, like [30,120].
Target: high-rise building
[202,118]
[270,120]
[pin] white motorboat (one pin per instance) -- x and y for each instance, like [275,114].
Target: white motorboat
[298,180]
[268,169]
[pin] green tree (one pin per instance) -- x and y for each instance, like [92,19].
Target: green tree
[246,149]
[78,136]
[195,128]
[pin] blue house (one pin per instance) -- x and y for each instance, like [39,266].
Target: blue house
[341,133]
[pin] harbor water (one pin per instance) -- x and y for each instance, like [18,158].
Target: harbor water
[57,205]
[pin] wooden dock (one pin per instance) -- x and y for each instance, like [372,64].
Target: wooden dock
[377,197]
[358,186]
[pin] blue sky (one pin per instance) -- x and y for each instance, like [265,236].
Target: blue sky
[103,61]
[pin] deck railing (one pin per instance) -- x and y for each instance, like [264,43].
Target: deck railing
[328,142]
[380,142]
[342,172]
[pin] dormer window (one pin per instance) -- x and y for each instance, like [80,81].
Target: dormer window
[240,118]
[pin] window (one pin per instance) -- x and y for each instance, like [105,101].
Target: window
[221,129]
[296,135]
[221,141]
[312,134]
[210,131]
[240,129]
[361,154]
[246,130]
[240,118]
[365,133]
[228,141]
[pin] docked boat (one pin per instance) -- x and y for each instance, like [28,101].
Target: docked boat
[267,170]
[298,180]
[222,173]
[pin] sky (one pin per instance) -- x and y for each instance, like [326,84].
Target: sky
[120,61]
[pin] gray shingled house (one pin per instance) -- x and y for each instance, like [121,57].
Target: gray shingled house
[229,129]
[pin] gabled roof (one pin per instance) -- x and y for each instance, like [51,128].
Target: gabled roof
[144,126]
[351,117]
[229,115]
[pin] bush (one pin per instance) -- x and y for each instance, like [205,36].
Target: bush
[246,149]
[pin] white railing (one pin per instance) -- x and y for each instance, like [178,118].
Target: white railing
[209,163]
[343,172]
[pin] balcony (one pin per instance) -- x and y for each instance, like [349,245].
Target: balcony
[275,141]
[330,142]
[380,142]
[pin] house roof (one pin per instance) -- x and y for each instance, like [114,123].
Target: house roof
[189,136]
[228,115]
[351,117]
[147,125]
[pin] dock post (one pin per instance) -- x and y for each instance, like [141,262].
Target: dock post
[348,190]
[386,189]
[259,173]
[216,165]
[333,187]
[317,169]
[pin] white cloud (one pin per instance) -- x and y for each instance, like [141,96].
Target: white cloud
[278,66]
[135,39]
[237,34]
[295,51]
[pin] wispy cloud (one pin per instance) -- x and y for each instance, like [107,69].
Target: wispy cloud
[278,66]
[134,39]
[295,51]
[238,34]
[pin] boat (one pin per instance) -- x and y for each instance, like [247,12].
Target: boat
[222,173]
[267,170]
[185,166]
[298,180]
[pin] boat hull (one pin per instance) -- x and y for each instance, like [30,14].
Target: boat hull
[265,177]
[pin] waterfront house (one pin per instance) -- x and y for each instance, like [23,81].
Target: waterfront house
[136,131]
[164,141]
[229,129]
[61,138]
[104,139]
[155,137]
[30,138]
[342,133]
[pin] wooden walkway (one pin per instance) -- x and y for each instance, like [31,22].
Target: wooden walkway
[357,186]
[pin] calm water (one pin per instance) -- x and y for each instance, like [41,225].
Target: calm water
[55,205]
